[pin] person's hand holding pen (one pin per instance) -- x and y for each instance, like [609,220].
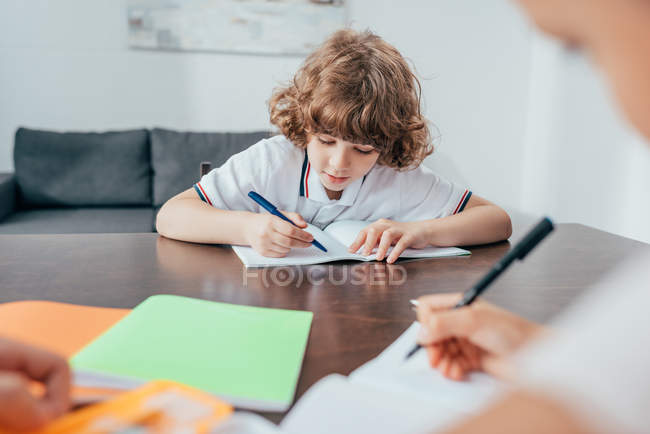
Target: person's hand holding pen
[276,233]
[478,337]
[271,236]
[462,336]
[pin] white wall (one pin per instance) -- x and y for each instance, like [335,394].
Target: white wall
[583,162]
[66,65]
[522,123]
[474,58]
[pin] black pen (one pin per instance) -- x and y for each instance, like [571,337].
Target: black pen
[519,251]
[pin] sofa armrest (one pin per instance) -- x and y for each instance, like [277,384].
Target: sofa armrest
[7,194]
[204,168]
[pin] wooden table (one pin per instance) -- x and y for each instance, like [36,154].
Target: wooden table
[359,308]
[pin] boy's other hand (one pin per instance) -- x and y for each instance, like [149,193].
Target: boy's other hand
[271,236]
[20,409]
[385,233]
[478,337]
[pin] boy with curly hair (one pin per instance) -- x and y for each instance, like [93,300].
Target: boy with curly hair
[352,143]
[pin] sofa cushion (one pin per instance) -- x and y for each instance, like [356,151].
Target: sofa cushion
[7,194]
[82,169]
[176,157]
[79,220]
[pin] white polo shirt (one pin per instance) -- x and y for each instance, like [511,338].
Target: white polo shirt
[280,172]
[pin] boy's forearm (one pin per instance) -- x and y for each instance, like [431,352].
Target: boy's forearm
[195,221]
[477,225]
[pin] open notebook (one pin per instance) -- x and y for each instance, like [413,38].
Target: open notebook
[389,395]
[336,238]
[385,395]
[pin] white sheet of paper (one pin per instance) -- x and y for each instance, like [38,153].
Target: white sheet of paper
[388,395]
[310,255]
[243,422]
[335,405]
[346,231]
[390,371]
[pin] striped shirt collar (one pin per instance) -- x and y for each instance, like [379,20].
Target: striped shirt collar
[311,187]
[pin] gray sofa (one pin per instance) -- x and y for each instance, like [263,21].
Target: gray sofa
[104,182]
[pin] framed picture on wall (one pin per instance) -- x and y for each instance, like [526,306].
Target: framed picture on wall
[273,27]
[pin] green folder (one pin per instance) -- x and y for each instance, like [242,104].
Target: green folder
[249,356]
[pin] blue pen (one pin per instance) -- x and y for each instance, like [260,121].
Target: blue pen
[273,210]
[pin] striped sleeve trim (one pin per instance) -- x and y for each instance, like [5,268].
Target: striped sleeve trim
[199,190]
[463,201]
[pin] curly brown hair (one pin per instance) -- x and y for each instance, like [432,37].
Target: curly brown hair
[359,88]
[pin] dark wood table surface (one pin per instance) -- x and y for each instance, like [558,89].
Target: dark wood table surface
[359,308]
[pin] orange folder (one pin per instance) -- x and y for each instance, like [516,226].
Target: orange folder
[59,327]
[62,328]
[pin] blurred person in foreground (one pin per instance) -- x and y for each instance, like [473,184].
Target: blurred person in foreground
[590,372]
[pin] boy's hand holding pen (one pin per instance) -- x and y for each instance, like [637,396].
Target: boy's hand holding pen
[276,233]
